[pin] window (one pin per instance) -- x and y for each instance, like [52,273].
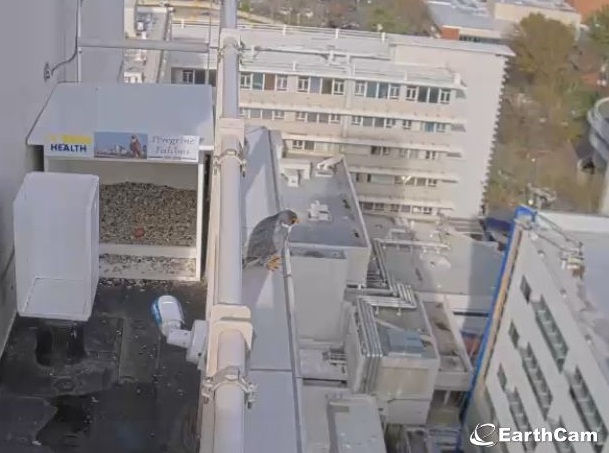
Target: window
[360,88]
[550,332]
[432,182]
[246,80]
[334,119]
[368,121]
[188,76]
[357,120]
[407,124]
[406,208]
[394,91]
[301,116]
[338,87]
[243,113]
[423,93]
[366,206]
[383,91]
[562,447]
[316,85]
[441,127]
[429,127]
[304,84]
[298,144]
[371,89]
[281,83]
[388,123]
[586,407]
[431,155]
[445,96]
[309,145]
[267,114]
[257,81]
[322,117]
[412,93]
[502,377]
[434,95]
[380,151]
[269,82]
[278,114]
[255,113]
[537,380]
[525,289]
[326,86]
[520,418]
[514,335]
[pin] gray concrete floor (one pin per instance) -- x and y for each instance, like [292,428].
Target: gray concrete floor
[131,393]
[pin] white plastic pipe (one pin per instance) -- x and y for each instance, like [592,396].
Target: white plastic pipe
[229,403]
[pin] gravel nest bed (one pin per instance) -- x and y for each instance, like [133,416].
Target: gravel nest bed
[170,266]
[147,214]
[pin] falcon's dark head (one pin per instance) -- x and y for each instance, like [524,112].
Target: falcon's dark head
[288,217]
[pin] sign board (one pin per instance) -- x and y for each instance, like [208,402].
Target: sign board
[121,145]
[66,145]
[181,148]
[125,145]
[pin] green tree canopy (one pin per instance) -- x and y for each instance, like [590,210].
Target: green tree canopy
[543,47]
[599,28]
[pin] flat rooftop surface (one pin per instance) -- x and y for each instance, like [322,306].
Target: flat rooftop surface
[345,227]
[131,392]
[587,297]
[164,109]
[272,360]
[461,13]
[270,47]
[461,265]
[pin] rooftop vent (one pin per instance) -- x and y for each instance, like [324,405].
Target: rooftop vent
[319,212]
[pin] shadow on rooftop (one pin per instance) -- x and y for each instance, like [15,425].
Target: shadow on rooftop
[132,393]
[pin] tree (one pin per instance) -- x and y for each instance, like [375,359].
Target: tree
[599,28]
[543,47]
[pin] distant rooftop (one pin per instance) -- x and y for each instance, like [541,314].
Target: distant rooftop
[586,296]
[353,53]
[326,205]
[148,62]
[475,14]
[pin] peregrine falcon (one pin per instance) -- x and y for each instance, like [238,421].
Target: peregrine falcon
[268,239]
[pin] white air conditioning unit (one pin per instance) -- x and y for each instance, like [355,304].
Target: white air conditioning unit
[319,212]
[292,177]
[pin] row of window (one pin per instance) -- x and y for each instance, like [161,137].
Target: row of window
[394,180]
[394,207]
[547,325]
[405,153]
[579,391]
[386,151]
[337,87]
[356,120]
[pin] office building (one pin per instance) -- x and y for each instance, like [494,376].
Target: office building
[416,117]
[545,359]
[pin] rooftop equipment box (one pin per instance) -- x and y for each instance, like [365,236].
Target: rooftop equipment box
[56,231]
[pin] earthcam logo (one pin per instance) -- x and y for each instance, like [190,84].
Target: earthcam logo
[481,435]
[483,431]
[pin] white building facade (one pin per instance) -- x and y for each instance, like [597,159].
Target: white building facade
[545,364]
[415,117]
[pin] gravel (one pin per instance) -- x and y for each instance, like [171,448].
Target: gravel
[147,214]
[137,267]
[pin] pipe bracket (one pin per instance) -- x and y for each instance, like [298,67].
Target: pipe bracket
[239,155]
[230,375]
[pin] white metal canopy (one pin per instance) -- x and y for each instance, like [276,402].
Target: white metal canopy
[164,109]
